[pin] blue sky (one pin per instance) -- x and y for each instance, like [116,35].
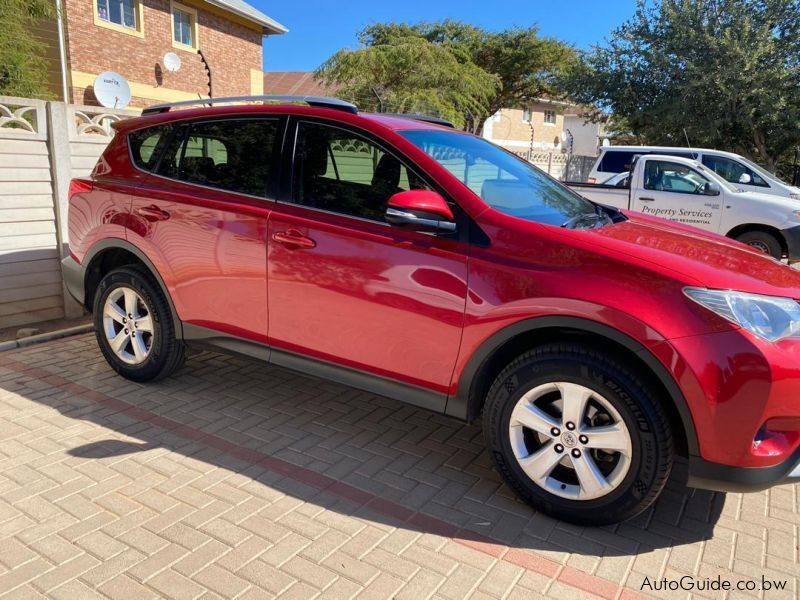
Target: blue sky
[318,28]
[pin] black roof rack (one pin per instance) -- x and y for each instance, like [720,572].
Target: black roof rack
[319,101]
[420,117]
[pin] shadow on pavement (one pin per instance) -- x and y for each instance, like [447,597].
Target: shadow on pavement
[335,446]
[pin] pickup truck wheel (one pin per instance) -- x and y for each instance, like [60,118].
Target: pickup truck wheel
[763,241]
[134,327]
[578,435]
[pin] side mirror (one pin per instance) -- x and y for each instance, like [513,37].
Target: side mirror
[711,188]
[420,210]
[745,178]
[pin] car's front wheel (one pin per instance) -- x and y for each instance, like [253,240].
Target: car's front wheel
[578,435]
[134,327]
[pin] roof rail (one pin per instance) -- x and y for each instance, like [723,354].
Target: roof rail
[319,101]
[421,117]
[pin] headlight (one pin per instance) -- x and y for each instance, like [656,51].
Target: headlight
[769,317]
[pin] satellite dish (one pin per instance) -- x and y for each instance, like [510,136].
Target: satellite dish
[606,143]
[172,62]
[112,90]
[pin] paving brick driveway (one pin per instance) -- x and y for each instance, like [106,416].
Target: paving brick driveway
[238,479]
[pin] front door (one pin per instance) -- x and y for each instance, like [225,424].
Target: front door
[675,191]
[344,286]
[201,217]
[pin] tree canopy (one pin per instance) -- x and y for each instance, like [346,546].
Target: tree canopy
[23,70]
[723,73]
[459,71]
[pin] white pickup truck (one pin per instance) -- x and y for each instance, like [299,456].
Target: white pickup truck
[683,190]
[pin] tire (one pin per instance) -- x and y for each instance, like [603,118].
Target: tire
[619,400]
[763,241]
[158,353]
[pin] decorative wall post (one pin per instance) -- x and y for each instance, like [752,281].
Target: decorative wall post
[61,169]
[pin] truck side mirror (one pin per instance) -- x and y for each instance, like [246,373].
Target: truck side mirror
[711,188]
[745,178]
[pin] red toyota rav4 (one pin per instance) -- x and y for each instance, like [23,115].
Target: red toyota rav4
[402,257]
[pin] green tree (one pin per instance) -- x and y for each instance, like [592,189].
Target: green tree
[23,70]
[460,71]
[723,73]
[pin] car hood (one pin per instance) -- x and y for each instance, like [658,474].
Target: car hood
[713,260]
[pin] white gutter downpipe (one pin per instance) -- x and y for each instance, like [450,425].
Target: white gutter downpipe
[62,51]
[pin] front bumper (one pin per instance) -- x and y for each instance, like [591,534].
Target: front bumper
[726,478]
[74,275]
[792,237]
[743,396]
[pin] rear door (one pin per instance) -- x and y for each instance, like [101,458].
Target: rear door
[345,286]
[201,216]
[675,191]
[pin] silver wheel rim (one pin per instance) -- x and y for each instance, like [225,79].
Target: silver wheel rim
[759,245]
[128,325]
[570,441]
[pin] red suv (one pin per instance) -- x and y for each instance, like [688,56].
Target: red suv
[397,255]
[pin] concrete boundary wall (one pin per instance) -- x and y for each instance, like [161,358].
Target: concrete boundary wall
[42,146]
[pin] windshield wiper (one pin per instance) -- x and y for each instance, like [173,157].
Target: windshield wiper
[593,218]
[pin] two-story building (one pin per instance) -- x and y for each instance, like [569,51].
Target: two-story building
[537,126]
[132,37]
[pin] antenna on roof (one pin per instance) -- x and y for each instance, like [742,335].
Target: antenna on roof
[688,143]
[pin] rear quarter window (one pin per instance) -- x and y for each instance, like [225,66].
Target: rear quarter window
[145,145]
[615,161]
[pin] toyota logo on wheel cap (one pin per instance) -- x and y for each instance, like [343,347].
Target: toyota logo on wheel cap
[569,439]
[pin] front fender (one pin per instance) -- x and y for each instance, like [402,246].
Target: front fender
[463,403]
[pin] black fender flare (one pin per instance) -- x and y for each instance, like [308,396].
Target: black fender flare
[462,405]
[118,243]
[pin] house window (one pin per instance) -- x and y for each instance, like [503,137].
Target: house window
[550,117]
[184,26]
[526,115]
[118,12]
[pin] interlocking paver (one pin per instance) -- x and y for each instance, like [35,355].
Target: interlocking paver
[238,479]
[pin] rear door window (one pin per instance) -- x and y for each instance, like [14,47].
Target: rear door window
[236,155]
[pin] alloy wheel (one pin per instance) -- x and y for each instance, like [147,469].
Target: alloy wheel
[128,325]
[570,441]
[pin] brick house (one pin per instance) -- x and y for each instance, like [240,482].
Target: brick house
[296,83]
[538,125]
[132,37]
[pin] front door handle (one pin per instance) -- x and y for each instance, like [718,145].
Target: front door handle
[293,239]
[647,199]
[152,213]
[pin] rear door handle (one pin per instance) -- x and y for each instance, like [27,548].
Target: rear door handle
[153,213]
[293,239]
[647,199]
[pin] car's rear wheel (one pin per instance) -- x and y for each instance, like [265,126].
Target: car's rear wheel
[134,327]
[578,435]
[762,241]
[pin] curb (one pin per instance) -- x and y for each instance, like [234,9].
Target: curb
[46,337]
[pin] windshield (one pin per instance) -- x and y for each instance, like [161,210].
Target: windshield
[506,182]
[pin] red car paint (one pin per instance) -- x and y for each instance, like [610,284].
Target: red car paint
[416,308]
